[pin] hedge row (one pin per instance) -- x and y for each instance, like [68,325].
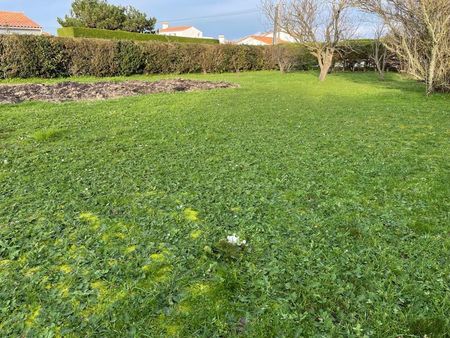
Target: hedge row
[40,56]
[24,56]
[94,33]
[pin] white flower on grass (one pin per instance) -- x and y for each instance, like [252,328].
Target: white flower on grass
[232,239]
[235,240]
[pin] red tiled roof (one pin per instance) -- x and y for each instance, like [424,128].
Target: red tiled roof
[174,29]
[263,39]
[17,20]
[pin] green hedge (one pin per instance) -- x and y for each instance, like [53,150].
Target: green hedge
[27,56]
[24,56]
[94,33]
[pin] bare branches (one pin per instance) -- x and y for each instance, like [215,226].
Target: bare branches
[379,51]
[419,33]
[319,24]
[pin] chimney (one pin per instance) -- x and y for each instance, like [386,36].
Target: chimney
[222,39]
[164,25]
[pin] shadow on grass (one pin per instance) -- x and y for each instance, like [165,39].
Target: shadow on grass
[392,81]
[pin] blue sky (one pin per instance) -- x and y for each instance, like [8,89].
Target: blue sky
[233,26]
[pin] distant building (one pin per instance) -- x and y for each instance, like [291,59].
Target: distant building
[265,39]
[186,32]
[183,31]
[282,36]
[18,23]
[255,40]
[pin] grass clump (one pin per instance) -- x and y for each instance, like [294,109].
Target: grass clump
[50,134]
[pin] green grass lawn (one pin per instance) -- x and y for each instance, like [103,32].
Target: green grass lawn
[112,212]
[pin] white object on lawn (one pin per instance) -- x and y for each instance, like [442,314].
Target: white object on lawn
[235,240]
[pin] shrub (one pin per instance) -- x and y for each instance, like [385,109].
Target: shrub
[96,59]
[26,56]
[211,59]
[42,56]
[292,57]
[357,55]
[95,33]
[129,58]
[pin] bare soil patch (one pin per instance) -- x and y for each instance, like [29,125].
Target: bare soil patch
[72,91]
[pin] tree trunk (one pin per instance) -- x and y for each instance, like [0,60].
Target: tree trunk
[325,65]
[323,73]
[380,65]
[325,68]
[431,71]
[383,65]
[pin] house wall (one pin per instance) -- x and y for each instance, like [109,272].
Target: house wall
[188,33]
[251,42]
[282,35]
[21,31]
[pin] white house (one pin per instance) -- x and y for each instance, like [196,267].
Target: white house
[282,36]
[183,31]
[265,39]
[255,40]
[18,23]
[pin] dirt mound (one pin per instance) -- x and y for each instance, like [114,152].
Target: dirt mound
[72,91]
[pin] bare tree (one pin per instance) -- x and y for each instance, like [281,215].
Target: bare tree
[286,58]
[379,51]
[419,34]
[318,24]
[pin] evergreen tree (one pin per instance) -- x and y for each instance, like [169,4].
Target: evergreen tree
[101,14]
